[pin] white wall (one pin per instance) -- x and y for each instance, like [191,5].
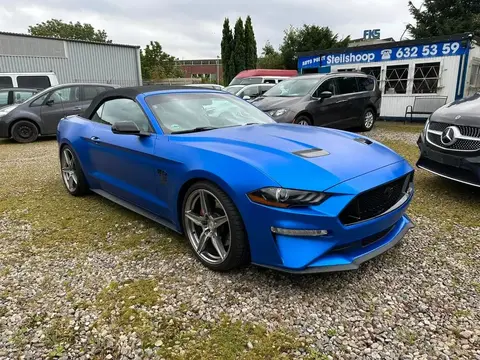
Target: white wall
[393,105]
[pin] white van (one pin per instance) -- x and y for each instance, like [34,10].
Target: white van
[40,80]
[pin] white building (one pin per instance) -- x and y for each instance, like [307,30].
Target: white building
[447,66]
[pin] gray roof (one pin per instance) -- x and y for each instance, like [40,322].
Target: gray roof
[71,40]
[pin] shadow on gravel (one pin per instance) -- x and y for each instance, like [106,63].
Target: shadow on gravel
[39,140]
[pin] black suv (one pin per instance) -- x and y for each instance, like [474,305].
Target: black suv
[450,142]
[339,100]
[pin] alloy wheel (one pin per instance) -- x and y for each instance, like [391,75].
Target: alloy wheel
[369,119]
[207,226]
[303,122]
[69,174]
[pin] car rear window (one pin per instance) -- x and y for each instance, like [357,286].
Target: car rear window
[366,83]
[347,85]
[32,81]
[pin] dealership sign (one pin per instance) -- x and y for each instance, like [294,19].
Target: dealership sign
[387,54]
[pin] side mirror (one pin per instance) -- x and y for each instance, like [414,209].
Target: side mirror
[127,128]
[326,94]
[246,97]
[50,102]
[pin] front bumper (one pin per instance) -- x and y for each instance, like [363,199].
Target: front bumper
[463,167]
[345,247]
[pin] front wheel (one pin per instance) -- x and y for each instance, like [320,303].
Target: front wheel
[368,120]
[303,120]
[214,228]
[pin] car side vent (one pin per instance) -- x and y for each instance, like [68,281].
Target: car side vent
[363,141]
[311,153]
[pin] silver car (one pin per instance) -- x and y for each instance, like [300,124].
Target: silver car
[40,114]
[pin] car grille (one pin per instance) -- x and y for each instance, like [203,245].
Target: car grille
[467,144]
[376,201]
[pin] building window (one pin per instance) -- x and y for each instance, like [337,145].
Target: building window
[396,79]
[475,77]
[375,71]
[425,79]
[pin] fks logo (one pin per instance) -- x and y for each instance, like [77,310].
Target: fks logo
[371,34]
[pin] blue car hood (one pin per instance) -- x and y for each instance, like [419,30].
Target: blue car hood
[272,149]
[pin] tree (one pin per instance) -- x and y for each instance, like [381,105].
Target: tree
[58,29]
[307,38]
[157,64]
[239,46]
[250,45]
[227,52]
[445,17]
[270,59]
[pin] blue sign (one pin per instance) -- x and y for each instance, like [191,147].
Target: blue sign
[371,34]
[387,54]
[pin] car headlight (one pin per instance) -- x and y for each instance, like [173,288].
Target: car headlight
[276,113]
[4,111]
[284,198]
[426,125]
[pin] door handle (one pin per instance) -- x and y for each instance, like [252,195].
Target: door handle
[341,101]
[77,108]
[94,138]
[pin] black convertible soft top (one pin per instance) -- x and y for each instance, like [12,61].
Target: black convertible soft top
[128,93]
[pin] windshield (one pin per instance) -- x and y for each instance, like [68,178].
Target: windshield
[188,111]
[253,80]
[233,89]
[292,88]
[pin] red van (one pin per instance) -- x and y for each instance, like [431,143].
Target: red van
[262,76]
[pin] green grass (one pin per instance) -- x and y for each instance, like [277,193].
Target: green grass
[127,307]
[399,126]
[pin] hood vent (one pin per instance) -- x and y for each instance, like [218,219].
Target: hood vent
[363,141]
[311,153]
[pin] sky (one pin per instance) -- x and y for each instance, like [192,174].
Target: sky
[193,29]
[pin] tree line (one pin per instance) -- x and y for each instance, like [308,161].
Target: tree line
[239,47]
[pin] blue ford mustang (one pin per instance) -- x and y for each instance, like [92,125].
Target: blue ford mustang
[241,187]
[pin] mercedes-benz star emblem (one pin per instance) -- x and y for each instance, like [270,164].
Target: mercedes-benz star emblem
[450,135]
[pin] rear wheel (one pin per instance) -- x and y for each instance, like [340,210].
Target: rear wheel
[72,173]
[368,120]
[24,131]
[303,120]
[214,227]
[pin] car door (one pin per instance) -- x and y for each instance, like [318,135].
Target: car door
[124,165]
[58,104]
[326,111]
[352,103]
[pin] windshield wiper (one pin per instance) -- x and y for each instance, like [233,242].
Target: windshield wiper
[197,129]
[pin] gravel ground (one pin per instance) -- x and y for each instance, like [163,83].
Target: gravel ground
[110,285]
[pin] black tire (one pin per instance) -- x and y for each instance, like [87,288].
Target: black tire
[24,131]
[368,119]
[81,187]
[239,252]
[303,120]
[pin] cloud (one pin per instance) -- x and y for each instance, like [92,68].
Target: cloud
[193,29]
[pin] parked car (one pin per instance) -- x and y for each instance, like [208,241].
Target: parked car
[40,114]
[233,89]
[15,95]
[251,92]
[260,76]
[450,142]
[336,100]
[37,80]
[241,187]
[208,86]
